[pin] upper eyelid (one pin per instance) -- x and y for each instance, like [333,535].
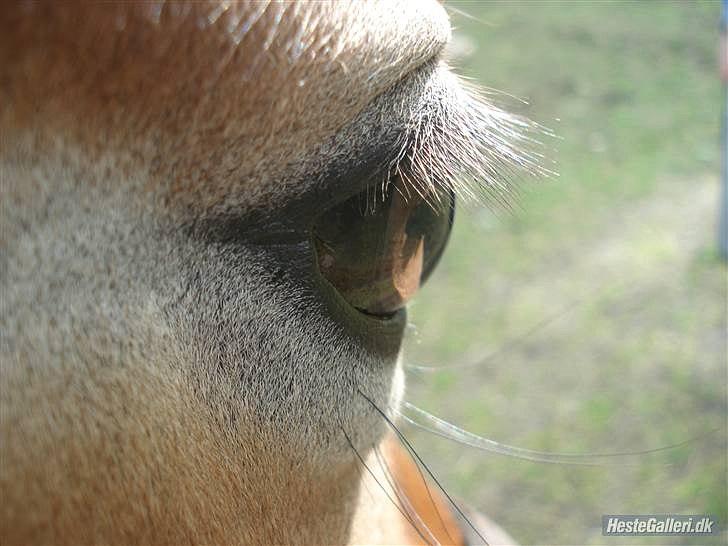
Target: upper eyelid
[292,221]
[451,141]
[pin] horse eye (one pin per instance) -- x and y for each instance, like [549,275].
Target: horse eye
[378,253]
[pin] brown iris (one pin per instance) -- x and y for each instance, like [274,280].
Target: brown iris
[378,256]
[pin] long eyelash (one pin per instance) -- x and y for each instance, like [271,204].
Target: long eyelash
[457,141]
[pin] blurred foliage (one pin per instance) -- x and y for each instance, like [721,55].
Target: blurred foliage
[597,310]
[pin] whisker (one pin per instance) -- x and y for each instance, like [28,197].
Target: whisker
[507,346]
[452,9]
[432,501]
[442,428]
[419,460]
[371,473]
[401,495]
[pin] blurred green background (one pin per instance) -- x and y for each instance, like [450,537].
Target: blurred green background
[602,295]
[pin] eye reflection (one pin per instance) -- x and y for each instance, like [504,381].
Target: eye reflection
[377,259]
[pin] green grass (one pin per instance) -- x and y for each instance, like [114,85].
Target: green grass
[618,252]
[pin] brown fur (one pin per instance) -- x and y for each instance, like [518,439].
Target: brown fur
[159,386]
[216,105]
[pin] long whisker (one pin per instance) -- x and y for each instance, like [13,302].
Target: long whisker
[442,428]
[371,473]
[401,495]
[452,9]
[432,501]
[411,449]
[507,346]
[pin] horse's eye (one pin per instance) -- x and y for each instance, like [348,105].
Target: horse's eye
[376,252]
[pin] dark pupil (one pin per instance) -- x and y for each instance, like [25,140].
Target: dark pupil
[376,254]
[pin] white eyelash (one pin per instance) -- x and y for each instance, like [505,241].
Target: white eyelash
[459,142]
